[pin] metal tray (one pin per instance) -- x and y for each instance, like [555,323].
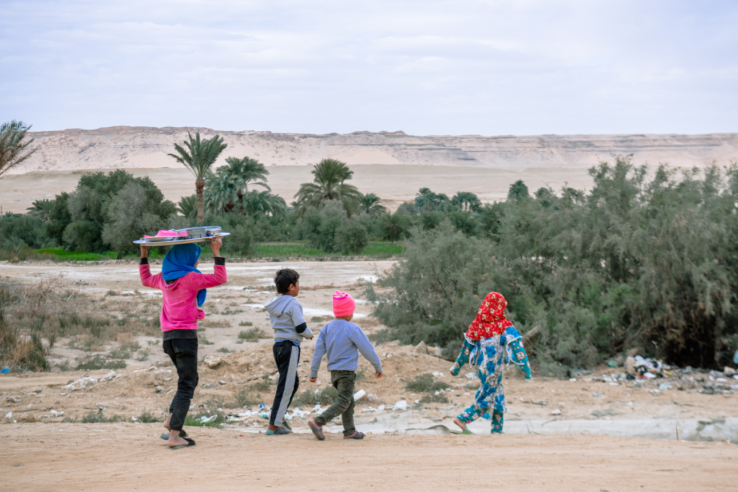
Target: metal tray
[174,241]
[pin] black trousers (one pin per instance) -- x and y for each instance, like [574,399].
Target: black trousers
[183,353]
[286,355]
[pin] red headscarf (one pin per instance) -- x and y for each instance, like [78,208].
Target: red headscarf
[490,320]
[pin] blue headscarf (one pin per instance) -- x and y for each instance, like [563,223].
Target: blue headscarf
[181,260]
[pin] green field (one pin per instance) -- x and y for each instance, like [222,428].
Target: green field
[265,250]
[296,250]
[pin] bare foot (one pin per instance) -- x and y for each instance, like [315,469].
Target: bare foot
[460,424]
[166,422]
[175,440]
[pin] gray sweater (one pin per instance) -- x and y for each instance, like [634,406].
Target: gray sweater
[342,341]
[285,315]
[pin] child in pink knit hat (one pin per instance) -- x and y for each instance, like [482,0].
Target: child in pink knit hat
[342,341]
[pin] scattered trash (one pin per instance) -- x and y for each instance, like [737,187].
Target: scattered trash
[158,389]
[735,357]
[57,414]
[82,382]
[359,395]
[655,392]
[317,410]
[648,375]
[222,383]
[542,403]
[261,405]
[664,386]
[381,408]
[437,374]
[556,412]
[597,395]
[5,370]
[205,420]
[572,380]
[400,405]
[13,399]
[108,377]
[470,375]
[9,415]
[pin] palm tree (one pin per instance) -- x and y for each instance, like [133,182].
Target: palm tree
[199,156]
[188,206]
[13,150]
[369,204]
[328,185]
[41,209]
[263,202]
[467,201]
[221,192]
[226,188]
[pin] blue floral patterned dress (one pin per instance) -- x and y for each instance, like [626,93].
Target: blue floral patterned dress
[488,355]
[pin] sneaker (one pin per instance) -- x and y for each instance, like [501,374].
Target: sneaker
[286,427]
[279,432]
[317,430]
[355,435]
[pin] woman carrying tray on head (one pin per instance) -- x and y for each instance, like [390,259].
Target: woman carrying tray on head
[183,288]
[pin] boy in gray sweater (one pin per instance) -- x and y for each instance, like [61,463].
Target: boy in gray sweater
[342,341]
[288,322]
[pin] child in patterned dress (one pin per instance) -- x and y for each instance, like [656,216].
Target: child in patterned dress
[490,337]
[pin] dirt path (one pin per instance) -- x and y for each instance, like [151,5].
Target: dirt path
[110,457]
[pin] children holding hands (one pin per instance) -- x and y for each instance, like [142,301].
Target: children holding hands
[342,341]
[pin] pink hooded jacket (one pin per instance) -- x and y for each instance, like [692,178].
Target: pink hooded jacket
[179,310]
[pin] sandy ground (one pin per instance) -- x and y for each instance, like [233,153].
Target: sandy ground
[394,184]
[40,452]
[59,457]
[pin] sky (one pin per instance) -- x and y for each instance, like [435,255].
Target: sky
[516,67]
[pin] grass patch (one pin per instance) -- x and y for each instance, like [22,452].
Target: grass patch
[245,323]
[145,418]
[246,398]
[98,362]
[61,254]
[99,418]
[377,248]
[441,398]
[215,324]
[224,350]
[318,397]
[252,335]
[472,386]
[229,312]
[425,384]
[206,418]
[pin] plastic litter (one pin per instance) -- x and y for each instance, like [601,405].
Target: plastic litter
[400,405]
[205,420]
[735,357]
[597,395]
[9,415]
[5,370]
[556,412]
[264,415]
[261,405]
[359,395]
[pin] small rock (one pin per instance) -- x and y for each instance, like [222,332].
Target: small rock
[209,385]
[167,379]
[543,403]
[37,391]
[158,389]
[421,348]
[13,399]
[213,361]
[222,383]
[729,371]
[556,412]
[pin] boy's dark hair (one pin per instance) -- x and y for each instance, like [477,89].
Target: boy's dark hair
[284,279]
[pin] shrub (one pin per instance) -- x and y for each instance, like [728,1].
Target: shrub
[252,334]
[310,398]
[351,238]
[425,384]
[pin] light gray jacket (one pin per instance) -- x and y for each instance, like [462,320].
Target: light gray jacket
[288,322]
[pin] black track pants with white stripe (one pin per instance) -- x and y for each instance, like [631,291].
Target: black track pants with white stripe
[286,355]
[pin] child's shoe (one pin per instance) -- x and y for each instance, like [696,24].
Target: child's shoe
[286,427]
[279,432]
[355,435]
[317,431]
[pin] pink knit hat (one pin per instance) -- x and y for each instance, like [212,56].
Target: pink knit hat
[343,304]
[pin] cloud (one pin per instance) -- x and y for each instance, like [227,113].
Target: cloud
[426,67]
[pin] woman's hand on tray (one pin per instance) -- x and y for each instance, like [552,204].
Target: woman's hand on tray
[215,244]
[144,251]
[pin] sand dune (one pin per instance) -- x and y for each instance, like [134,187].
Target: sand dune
[142,147]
